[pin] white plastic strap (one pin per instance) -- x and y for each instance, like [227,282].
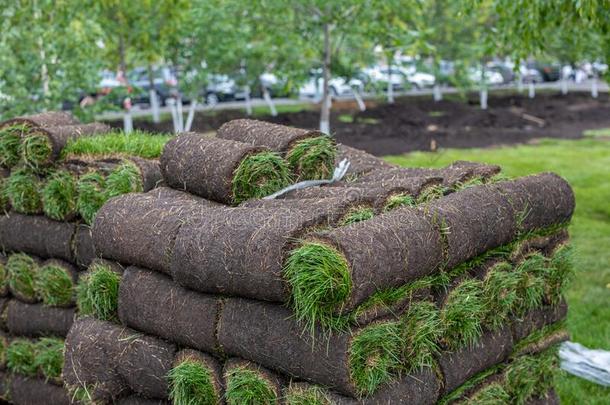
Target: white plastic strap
[590,364]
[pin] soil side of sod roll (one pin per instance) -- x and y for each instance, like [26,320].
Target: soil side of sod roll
[240,251]
[541,200]
[459,366]
[141,229]
[138,400]
[152,303]
[82,246]
[36,391]
[400,246]
[207,167]
[472,222]
[37,319]
[43,145]
[268,334]
[196,378]
[360,161]
[247,382]
[168,193]
[44,119]
[37,235]
[4,276]
[421,387]
[111,360]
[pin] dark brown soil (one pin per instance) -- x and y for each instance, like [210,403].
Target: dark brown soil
[38,320]
[537,319]
[44,119]
[413,123]
[36,391]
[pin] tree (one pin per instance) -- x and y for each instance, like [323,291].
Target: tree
[48,55]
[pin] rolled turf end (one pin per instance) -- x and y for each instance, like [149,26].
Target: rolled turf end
[531,288]
[559,272]
[91,189]
[259,175]
[23,191]
[245,386]
[4,278]
[10,144]
[36,149]
[375,355]
[357,215]
[462,315]
[493,393]
[399,200]
[21,357]
[320,282]
[297,394]
[125,178]
[22,270]
[530,376]
[431,193]
[500,295]
[313,158]
[191,383]
[5,203]
[97,293]
[421,330]
[54,286]
[59,196]
[49,357]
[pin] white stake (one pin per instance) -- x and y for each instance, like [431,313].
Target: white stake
[127,122]
[531,90]
[269,101]
[437,93]
[179,114]
[191,115]
[154,105]
[594,92]
[483,98]
[248,101]
[359,100]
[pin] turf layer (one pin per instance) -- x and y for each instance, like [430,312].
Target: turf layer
[54,285]
[313,158]
[22,270]
[91,190]
[24,192]
[259,175]
[192,384]
[97,293]
[246,386]
[36,149]
[125,178]
[137,143]
[59,196]
[10,144]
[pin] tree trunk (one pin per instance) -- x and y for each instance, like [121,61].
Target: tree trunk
[359,100]
[179,113]
[152,94]
[520,83]
[248,100]
[564,84]
[390,86]
[191,115]
[531,89]
[174,112]
[594,90]
[483,93]
[269,101]
[127,122]
[122,62]
[438,94]
[325,111]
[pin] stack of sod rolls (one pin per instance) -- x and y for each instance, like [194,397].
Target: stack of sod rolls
[395,285]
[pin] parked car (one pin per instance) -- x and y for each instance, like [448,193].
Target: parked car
[379,76]
[221,88]
[491,77]
[164,82]
[508,74]
[550,72]
[418,79]
[338,86]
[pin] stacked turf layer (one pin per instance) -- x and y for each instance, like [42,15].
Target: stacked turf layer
[396,285]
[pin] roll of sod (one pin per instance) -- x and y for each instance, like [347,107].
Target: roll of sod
[132,175]
[311,154]
[335,271]
[91,191]
[38,320]
[107,361]
[4,343]
[302,393]
[55,283]
[97,292]
[543,243]
[458,366]
[82,246]
[152,303]
[50,358]
[44,119]
[240,251]
[43,145]
[361,162]
[5,203]
[168,193]
[421,330]
[24,192]
[472,222]
[22,270]
[196,378]
[140,229]
[25,390]
[354,363]
[539,201]
[21,357]
[532,376]
[10,144]
[3,314]
[222,170]
[59,196]
[37,235]
[249,383]
[4,276]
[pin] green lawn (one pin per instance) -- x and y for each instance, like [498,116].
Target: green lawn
[586,165]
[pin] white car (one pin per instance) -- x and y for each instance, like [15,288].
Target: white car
[491,77]
[337,86]
[383,75]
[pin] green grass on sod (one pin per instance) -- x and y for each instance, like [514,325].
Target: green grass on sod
[36,149]
[22,270]
[91,190]
[245,386]
[10,144]
[21,357]
[24,192]
[313,158]
[97,293]
[192,384]
[59,195]
[49,357]
[54,286]
[584,163]
[260,175]
[137,143]
[125,178]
